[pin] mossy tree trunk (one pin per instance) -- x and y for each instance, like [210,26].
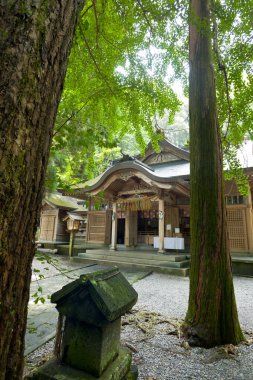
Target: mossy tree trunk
[212,315]
[35,40]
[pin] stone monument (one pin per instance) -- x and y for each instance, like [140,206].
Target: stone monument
[88,337]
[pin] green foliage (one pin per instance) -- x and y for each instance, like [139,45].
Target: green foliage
[234,79]
[98,200]
[235,171]
[125,59]
[234,70]
[117,82]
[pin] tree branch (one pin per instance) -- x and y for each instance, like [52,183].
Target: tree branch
[94,60]
[70,117]
[145,16]
[111,43]
[86,10]
[96,19]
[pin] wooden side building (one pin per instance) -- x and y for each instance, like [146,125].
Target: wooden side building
[55,209]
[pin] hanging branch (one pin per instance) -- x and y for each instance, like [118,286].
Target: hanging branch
[86,10]
[93,5]
[221,66]
[111,43]
[96,19]
[76,112]
[70,117]
[147,21]
[145,16]
[94,60]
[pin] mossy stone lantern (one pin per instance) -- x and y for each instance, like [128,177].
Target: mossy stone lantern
[91,309]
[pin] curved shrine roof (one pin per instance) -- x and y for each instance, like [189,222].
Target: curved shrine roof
[162,173]
[170,165]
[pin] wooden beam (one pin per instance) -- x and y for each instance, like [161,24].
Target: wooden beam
[138,191]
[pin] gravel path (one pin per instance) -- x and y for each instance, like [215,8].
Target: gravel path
[168,295]
[162,355]
[150,331]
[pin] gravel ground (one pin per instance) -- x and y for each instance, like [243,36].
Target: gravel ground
[151,332]
[168,295]
[163,355]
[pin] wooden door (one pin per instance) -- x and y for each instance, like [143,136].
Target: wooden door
[99,227]
[47,227]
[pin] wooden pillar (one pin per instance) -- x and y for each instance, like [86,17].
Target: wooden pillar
[161,225]
[127,229]
[134,227]
[71,242]
[114,227]
[249,224]
[131,228]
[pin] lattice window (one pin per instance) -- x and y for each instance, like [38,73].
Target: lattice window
[237,230]
[235,215]
[237,244]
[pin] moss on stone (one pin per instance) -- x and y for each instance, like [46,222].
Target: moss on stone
[53,370]
[110,292]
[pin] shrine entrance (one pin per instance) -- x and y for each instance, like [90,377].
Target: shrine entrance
[121,230]
[137,220]
[147,227]
[137,228]
[149,221]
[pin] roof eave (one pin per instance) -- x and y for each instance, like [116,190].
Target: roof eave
[134,166]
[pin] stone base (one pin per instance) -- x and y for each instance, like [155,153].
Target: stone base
[132,374]
[119,369]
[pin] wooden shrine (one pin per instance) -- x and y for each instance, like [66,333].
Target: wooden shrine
[146,201]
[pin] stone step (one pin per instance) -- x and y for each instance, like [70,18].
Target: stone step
[241,254]
[245,259]
[183,272]
[242,266]
[142,255]
[136,260]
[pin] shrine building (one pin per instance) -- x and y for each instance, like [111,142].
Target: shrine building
[146,202]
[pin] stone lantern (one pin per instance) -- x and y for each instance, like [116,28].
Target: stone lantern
[91,309]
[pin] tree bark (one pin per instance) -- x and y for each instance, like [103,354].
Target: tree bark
[35,41]
[212,315]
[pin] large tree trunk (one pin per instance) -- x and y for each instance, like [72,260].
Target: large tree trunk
[35,40]
[212,315]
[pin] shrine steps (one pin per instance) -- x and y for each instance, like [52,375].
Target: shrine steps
[242,265]
[174,264]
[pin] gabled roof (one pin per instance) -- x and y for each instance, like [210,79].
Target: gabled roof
[166,148]
[73,216]
[60,201]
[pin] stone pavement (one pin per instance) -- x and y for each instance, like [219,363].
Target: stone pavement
[50,273]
